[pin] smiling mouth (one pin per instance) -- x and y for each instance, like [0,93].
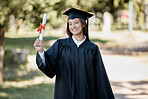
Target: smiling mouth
[74,30]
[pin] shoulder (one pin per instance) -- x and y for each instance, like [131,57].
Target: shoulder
[94,48]
[65,41]
[91,45]
[59,43]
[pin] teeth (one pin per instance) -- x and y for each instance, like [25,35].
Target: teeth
[74,30]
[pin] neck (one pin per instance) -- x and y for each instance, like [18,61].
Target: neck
[79,37]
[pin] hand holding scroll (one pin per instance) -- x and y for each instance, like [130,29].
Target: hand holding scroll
[38,45]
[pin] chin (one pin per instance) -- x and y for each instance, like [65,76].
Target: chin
[76,33]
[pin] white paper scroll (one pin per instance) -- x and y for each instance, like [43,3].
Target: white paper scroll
[43,22]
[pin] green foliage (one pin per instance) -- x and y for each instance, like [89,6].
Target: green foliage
[7,8]
[35,10]
[31,11]
[139,7]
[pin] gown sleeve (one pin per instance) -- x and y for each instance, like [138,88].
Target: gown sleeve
[51,57]
[103,87]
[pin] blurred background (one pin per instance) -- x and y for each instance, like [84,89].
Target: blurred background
[119,28]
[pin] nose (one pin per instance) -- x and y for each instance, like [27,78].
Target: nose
[73,26]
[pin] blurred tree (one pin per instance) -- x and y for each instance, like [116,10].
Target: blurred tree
[32,12]
[139,7]
[7,8]
[100,6]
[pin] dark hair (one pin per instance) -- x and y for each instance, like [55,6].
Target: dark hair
[85,29]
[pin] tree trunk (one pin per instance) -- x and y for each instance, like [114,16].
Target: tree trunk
[1,54]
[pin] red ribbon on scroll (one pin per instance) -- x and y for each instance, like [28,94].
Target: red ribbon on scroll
[41,27]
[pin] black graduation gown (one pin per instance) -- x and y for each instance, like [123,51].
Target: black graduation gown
[80,73]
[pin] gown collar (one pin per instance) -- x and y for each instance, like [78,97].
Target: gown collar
[78,43]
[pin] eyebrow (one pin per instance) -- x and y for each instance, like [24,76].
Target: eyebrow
[74,21]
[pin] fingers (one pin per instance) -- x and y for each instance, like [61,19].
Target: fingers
[41,41]
[38,43]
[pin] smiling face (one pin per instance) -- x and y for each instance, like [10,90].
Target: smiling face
[75,26]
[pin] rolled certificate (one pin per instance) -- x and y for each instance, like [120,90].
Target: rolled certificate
[43,24]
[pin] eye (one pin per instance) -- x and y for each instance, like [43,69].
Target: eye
[76,22]
[70,23]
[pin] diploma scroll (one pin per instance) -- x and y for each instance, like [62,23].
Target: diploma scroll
[42,27]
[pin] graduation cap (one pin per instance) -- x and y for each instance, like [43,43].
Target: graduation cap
[76,13]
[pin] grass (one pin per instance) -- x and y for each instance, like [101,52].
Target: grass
[24,43]
[37,91]
[25,81]
[16,74]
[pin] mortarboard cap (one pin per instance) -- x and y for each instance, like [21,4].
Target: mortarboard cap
[76,13]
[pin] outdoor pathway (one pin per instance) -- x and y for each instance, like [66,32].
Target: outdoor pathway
[128,76]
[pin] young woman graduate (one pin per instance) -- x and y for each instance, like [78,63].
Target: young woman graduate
[76,62]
